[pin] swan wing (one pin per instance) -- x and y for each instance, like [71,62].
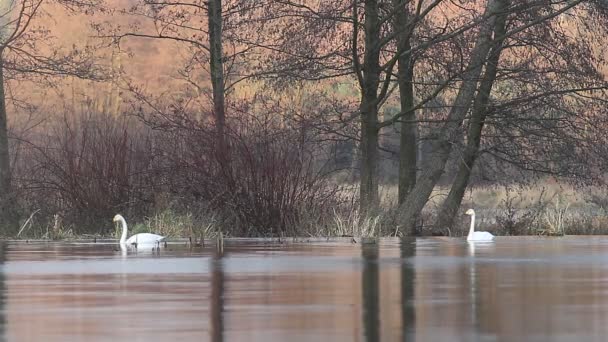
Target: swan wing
[481,236]
[144,238]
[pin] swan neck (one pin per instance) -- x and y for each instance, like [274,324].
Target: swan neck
[123,237]
[472,229]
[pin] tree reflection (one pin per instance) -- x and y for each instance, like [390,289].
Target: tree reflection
[482,289]
[2,293]
[217,298]
[371,298]
[408,277]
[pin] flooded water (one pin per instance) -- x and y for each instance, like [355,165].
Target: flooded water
[516,289]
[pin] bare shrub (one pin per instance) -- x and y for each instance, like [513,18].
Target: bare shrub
[514,220]
[269,181]
[88,167]
[597,197]
[587,223]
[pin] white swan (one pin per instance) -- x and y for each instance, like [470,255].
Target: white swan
[145,239]
[477,236]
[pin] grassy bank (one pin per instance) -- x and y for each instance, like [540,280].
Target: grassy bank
[543,209]
[282,180]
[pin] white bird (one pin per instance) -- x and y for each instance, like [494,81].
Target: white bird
[142,239]
[477,236]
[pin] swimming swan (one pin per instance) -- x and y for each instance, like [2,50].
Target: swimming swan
[477,236]
[137,239]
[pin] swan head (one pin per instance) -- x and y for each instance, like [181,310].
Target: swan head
[118,218]
[470,212]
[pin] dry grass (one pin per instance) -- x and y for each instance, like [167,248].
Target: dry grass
[545,208]
[353,224]
[169,223]
[539,210]
[492,197]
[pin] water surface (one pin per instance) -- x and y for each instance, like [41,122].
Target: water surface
[516,289]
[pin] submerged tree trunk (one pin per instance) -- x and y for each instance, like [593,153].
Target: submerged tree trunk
[369,109]
[452,202]
[442,140]
[405,76]
[216,69]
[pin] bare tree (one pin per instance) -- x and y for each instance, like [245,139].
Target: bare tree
[216,69]
[442,140]
[476,122]
[405,78]
[543,123]
[447,137]
[21,58]
[368,74]
[211,32]
[379,52]
[375,45]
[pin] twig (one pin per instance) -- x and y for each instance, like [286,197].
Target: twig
[26,222]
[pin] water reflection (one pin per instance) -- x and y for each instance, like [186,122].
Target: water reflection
[479,282]
[408,278]
[2,294]
[89,292]
[217,298]
[472,285]
[376,304]
[411,290]
[371,297]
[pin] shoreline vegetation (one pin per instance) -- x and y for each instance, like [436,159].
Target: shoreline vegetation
[543,210]
[386,118]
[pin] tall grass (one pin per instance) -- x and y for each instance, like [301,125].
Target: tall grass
[545,208]
[171,224]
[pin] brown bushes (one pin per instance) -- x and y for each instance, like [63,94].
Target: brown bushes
[88,168]
[75,174]
[267,182]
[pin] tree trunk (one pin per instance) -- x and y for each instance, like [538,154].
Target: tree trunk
[369,161]
[452,202]
[216,67]
[368,195]
[405,76]
[442,140]
[5,168]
